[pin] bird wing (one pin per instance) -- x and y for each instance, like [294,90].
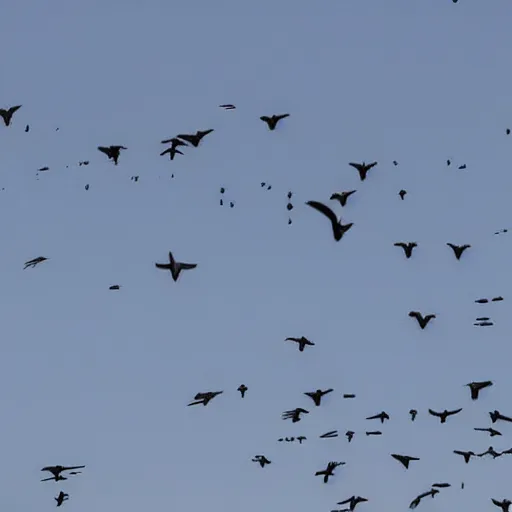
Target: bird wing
[164,266]
[188,138]
[104,149]
[496,502]
[292,339]
[359,167]
[369,166]
[168,150]
[265,118]
[14,109]
[281,116]
[456,411]
[434,413]
[322,208]
[454,247]
[400,244]
[69,468]
[188,266]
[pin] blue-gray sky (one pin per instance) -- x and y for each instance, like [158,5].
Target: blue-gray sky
[101,378]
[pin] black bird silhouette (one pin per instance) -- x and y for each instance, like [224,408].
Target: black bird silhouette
[175,266]
[381,416]
[482,301]
[205,398]
[373,433]
[342,196]
[242,388]
[442,485]
[475,387]
[350,435]
[497,299]
[462,167]
[492,432]
[484,324]
[317,395]
[490,451]
[112,152]
[407,247]
[413,413]
[114,287]
[34,262]
[302,341]
[228,106]
[458,249]
[61,498]
[301,438]
[273,120]
[262,460]
[174,142]
[466,455]
[329,470]
[504,504]
[416,501]
[195,139]
[338,229]
[294,414]
[348,395]
[172,152]
[362,168]
[57,470]
[404,459]
[444,415]
[353,501]
[7,114]
[496,415]
[422,320]
[329,435]
[402,194]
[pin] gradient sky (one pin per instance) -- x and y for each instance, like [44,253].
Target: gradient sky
[102,378]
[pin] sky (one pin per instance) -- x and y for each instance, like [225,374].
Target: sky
[102,378]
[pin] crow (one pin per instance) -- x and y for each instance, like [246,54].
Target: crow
[407,247]
[317,395]
[458,249]
[422,320]
[338,229]
[342,196]
[444,415]
[404,459]
[273,120]
[6,114]
[302,341]
[112,152]
[175,266]
[362,168]
[466,455]
[475,387]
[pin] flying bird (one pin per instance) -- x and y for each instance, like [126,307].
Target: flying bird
[496,415]
[273,120]
[362,168]
[407,247]
[504,504]
[467,455]
[196,138]
[294,414]
[353,501]
[114,287]
[422,320]
[329,470]
[329,435]
[374,433]
[112,152]
[492,432]
[342,196]
[7,114]
[175,266]
[34,262]
[57,470]
[402,194]
[475,387]
[404,459]
[338,229]
[350,435]
[458,249]
[228,106]
[261,460]
[413,413]
[416,501]
[242,388]
[381,416]
[444,415]
[205,398]
[302,341]
[317,395]
[490,451]
[61,498]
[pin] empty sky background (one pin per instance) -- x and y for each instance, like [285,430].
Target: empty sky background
[102,378]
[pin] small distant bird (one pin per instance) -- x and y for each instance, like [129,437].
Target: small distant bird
[173,151]
[273,120]
[7,114]
[497,299]
[329,435]
[504,504]
[338,229]
[353,501]
[42,169]
[196,138]
[416,501]
[444,415]
[462,167]
[442,485]
[317,395]
[507,131]
[458,249]
[402,194]
[407,247]
[362,168]
[112,152]
[467,455]
[496,415]
[87,186]
[342,196]
[27,128]
[228,106]
[301,438]
[175,266]
[484,324]
[374,433]
[329,470]
[482,301]
[114,287]
[61,498]
[34,262]
[261,460]
[205,398]
[490,451]
[302,341]
[413,413]
[294,414]
[395,163]
[350,435]
[242,388]
[382,416]
[491,431]
[57,470]
[404,459]
[348,395]
[422,320]
[475,387]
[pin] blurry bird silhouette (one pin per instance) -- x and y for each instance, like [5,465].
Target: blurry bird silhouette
[112,152]
[273,120]
[175,266]
[6,114]
[362,168]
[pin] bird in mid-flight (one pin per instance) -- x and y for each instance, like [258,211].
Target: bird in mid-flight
[261,460]
[492,432]
[317,395]
[362,168]
[6,114]
[112,152]
[444,415]
[382,416]
[294,414]
[404,459]
[34,262]
[467,455]
[458,249]
[242,388]
[273,120]
[504,504]
[175,266]
[57,470]
[475,387]
[353,501]
[302,341]
[205,398]
[329,470]
[338,229]
[196,138]
[342,196]
[61,498]
[422,320]
[407,247]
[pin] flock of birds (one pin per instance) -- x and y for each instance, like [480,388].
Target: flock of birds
[339,230]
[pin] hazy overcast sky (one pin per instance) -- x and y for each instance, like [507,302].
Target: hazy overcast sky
[102,378]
